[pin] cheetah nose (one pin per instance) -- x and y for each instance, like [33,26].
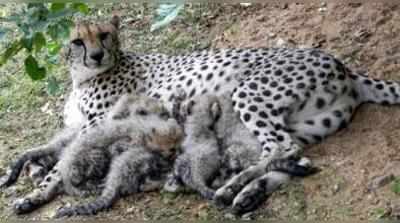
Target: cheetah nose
[97,56]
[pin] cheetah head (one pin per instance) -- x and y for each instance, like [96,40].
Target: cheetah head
[93,49]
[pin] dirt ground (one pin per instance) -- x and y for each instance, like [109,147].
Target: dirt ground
[366,38]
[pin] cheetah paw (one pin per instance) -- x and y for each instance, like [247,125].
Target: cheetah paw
[250,197]
[23,206]
[223,197]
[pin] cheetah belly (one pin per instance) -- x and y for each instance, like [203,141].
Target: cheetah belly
[217,86]
[73,117]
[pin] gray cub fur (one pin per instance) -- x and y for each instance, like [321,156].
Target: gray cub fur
[135,170]
[216,146]
[200,160]
[137,132]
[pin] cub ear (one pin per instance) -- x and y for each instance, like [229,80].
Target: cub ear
[215,110]
[115,21]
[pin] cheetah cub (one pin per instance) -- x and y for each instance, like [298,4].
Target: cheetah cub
[130,147]
[216,146]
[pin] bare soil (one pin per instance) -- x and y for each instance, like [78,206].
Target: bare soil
[366,37]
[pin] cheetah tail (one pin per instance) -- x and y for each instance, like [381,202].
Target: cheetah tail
[371,90]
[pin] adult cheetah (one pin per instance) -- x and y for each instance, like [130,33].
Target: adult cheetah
[288,98]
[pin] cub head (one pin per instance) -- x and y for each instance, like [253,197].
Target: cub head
[203,110]
[93,49]
[161,133]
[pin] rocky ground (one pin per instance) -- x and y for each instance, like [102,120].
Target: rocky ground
[360,164]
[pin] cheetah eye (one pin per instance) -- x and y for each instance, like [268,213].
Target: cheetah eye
[141,112]
[211,127]
[103,36]
[164,115]
[77,42]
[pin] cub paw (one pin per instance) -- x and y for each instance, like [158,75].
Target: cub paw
[64,212]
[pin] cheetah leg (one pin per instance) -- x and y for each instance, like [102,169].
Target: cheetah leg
[226,194]
[45,156]
[258,190]
[314,129]
[50,187]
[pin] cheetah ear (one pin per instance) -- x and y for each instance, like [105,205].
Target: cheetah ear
[186,109]
[66,53]
[215,110]
[115,21]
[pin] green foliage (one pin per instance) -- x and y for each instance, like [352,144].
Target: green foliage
[39,30]
[33,69]
[396,186]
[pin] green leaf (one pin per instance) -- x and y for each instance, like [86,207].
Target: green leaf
[53,86]
[52,32]
[33,69]
[25,28]
[81,7]
[166,14]
[53,48]
[27,43]
[39,41]
[57,7]
[61,30]
[11,51]
[64,28]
